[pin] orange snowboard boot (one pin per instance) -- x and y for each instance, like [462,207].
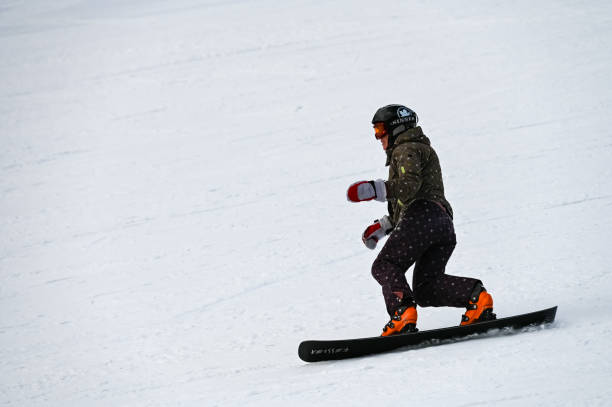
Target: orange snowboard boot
[404,320]
[480,307]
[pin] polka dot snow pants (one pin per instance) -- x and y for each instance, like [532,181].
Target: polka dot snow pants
[425,235]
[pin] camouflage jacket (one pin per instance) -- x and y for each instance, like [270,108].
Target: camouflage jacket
[414,173]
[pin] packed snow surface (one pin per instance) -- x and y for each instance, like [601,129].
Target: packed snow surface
[174,219]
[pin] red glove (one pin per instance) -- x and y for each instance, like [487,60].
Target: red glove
[376,231]
[367,190]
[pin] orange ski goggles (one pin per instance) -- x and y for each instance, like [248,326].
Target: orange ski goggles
[379,130]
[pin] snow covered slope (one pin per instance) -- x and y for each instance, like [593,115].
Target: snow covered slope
[174,219]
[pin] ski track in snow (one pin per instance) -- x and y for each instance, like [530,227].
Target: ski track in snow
[174,212]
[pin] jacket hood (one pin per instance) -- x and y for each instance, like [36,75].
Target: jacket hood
[414,135]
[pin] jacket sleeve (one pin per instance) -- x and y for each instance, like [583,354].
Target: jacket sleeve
[408,163]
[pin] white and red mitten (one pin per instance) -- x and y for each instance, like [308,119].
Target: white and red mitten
[367,190]
[376,231]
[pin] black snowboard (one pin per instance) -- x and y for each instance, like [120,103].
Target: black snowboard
[315,351]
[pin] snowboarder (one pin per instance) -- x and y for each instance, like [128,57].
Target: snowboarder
[420,226]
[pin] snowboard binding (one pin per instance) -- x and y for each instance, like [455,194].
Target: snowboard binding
[479,308]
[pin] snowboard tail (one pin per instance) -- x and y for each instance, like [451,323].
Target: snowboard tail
[315,351]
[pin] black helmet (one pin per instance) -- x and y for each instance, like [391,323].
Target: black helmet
[396,118]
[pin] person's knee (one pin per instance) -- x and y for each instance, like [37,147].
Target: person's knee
[377,269]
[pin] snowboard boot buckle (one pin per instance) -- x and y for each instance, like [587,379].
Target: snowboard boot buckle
[403,320]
